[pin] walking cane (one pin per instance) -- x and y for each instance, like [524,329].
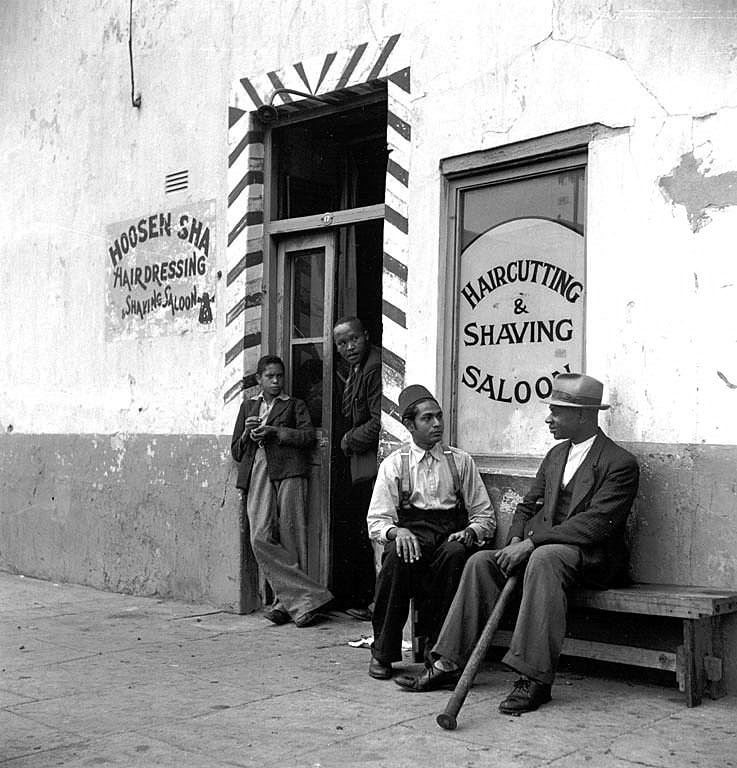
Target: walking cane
[447,719]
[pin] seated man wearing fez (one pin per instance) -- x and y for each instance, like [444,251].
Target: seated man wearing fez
[567,530]
[429,508]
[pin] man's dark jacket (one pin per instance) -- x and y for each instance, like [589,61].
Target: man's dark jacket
[362,436]
[605,487]
[286,454]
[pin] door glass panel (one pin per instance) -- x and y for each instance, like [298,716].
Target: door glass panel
[308,294]
[307,340]
[307,378]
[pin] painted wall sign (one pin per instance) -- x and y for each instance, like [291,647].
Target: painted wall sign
[521,318]
[160,273]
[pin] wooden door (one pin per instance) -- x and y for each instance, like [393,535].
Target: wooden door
[306,276]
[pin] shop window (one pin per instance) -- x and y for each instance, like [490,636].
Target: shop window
[517,256]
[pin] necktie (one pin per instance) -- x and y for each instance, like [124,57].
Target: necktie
[348,393]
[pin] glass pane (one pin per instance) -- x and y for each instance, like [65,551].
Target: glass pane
[308,293]
[555,196]
[307,378]
[521,296]
[332,162]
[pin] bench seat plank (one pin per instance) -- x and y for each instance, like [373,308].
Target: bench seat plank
[658,600]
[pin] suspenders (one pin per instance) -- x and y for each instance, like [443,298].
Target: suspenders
[404,485]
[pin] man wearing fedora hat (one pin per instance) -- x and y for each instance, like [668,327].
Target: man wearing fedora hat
[429,509]
[567,530]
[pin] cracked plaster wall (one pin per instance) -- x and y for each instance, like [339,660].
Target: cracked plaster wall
[77,157]
[661,200]
[114,465]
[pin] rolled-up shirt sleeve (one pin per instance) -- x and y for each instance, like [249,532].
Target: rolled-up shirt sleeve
[382,511]
[481,516]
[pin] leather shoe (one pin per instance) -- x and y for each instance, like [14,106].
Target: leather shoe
[308,619]
[378,670]
[360,614]
[430,679]
[277,616]
[526,696]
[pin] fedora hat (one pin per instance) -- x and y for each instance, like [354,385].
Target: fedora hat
[577,390]
[411,395]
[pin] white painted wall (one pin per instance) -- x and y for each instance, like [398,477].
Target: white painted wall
[76,157]
[661,296]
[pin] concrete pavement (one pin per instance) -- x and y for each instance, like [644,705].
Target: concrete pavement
[91,678]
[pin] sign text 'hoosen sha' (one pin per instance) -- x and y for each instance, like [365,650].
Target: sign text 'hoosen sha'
[159,273]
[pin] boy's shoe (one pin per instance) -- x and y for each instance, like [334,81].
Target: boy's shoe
[360,614]
[308,619]
[277,616]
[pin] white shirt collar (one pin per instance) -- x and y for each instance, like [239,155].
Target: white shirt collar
[583,447]
[436,451]
[280,396]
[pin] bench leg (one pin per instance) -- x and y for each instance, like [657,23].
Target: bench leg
[713,662]
[696,646]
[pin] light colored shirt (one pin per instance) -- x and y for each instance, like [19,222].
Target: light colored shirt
[576,454]
[264,408]
[432,488]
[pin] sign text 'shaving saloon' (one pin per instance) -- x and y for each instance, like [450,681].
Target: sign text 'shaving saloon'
[159,276]
[520,311]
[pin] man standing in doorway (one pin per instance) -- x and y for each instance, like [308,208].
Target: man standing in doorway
[353,560]
[429,509]
[567,530]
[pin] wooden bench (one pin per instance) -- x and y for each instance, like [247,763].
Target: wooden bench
[693,652]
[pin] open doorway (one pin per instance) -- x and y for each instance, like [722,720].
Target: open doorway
[325,217]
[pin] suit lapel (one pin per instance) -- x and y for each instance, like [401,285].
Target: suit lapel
[276,409]
[555,474]
[585,477]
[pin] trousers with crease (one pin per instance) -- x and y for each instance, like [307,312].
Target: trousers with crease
[277,518]
[541,621]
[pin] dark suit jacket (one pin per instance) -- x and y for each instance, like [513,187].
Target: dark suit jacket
[362,436]
[286,454]
[605,487]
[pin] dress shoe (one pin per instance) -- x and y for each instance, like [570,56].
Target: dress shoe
[308,619]
[378,670]
[526,696]
[360,614]
[277,616]
[430,679]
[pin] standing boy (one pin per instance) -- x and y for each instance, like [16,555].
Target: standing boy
[270,441]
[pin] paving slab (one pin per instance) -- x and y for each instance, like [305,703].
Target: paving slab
[23,737]
[204,688]
[127,750]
